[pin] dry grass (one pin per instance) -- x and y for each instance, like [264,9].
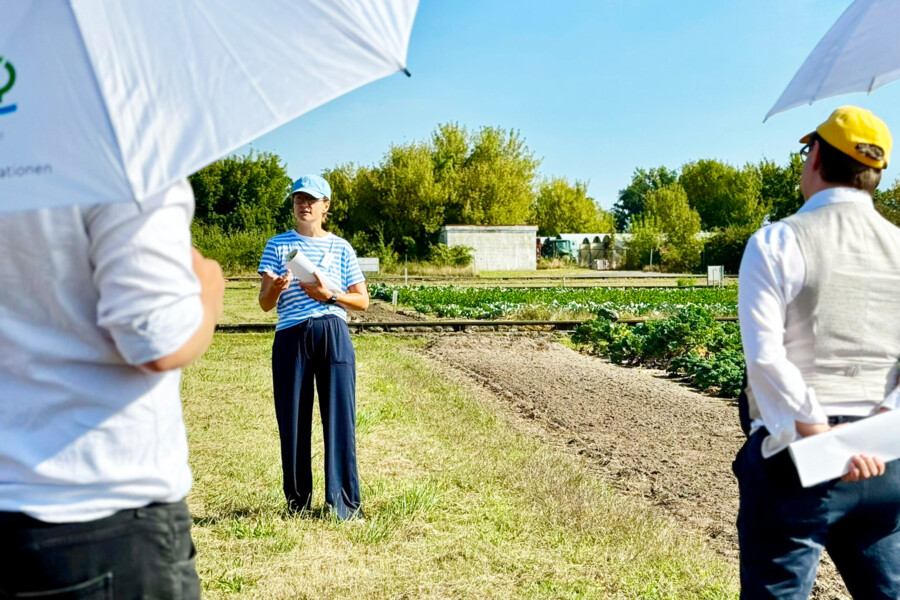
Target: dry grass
[458,505]
[431,270]
[537,312]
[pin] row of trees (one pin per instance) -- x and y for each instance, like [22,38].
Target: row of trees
[701,214]
[706,212]
[486,177]
[397,207]
[666,211]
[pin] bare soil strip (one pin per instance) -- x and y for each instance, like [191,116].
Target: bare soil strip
[643,432]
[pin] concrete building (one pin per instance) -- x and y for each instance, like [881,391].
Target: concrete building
[496,247]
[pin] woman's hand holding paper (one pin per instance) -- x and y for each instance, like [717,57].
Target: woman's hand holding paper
[319,289]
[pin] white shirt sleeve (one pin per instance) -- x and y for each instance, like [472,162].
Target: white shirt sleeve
[892,401]
[772,273]
[149,297]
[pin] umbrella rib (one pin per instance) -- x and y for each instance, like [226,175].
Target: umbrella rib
[789,92]
[355,34]
[109,119]
[835,53]
[265,99]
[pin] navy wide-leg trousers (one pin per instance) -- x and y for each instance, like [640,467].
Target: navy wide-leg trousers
[317,354]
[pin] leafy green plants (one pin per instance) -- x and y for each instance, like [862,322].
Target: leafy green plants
[665,339]
[722,372]
[690,343]
[496,302]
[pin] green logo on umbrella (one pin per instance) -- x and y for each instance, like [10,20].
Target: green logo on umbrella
[11,72]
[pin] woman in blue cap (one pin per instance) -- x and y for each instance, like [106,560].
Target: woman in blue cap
[312,348]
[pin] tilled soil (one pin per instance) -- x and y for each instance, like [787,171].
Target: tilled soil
[380,312]
[643,432]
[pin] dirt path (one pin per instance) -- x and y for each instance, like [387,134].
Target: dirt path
[643,432]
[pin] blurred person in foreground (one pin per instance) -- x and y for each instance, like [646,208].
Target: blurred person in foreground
[312,349]
[819,306]
[100,308]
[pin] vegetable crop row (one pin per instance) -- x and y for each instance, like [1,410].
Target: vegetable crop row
[690,343]
[492,303]
[684,338]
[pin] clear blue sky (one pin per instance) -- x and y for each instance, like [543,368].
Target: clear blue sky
[596,87]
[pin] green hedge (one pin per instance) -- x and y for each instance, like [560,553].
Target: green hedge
[236,252]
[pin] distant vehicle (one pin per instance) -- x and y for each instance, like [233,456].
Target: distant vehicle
[558,248]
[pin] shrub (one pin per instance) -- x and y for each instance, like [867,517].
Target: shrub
[723,371]
[690,343]
[599,333]
[627,347]
[237,251]
[373,244]
[445,256]
[664,339]
[564,262]
[726,246]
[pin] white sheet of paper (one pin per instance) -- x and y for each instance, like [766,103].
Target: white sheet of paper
[827,455]
[303,269]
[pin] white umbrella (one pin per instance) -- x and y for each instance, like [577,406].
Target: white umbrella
[859,53]
[113,100]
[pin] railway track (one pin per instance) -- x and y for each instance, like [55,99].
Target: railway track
[664,280]
[441,326]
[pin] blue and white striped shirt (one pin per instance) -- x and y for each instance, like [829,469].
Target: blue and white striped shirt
[294,306]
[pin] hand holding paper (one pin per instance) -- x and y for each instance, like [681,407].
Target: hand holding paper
[303,269]
[827,455]
[864,467]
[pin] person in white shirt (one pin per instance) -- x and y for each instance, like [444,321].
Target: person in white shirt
[100,307]
[819,307]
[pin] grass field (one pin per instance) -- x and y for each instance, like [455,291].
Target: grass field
[458,504]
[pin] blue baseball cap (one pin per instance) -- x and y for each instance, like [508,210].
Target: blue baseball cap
[313,185]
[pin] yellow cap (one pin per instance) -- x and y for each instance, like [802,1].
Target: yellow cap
[849,126]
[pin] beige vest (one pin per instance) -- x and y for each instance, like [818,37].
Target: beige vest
[843,328]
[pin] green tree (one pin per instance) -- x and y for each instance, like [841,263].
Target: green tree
[560,207]
[723,195]
[497,181]
[888,203]
[631,200]
[409,205]
[780,187]
[681,225]
[342,179]
[647,238]
[779,194]
[451,146]
[726,246]
[241,193]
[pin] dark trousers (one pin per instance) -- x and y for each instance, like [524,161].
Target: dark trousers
[139,553]
[783,527]
[317,351]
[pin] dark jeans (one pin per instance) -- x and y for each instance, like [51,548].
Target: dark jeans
[140,553]
[317,351]
[783,527]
